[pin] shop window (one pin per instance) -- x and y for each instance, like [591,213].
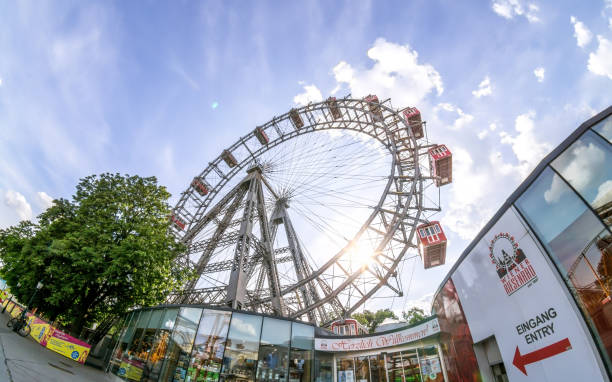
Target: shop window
[410,366]
[181,342]
[579,245]
[300,358]
[124,341]
[604,128]
[240,359]
[377,368]
[346,369]
[324,367]
[209,345]
[274,351]
[362,369]
[133,362]
[157,354]
[429,362]
[586,166]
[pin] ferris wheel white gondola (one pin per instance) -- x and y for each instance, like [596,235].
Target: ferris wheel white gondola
[338,282]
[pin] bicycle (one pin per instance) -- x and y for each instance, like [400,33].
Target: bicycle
[20,325]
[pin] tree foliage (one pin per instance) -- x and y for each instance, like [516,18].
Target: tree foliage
[414,315]
[371,320]
[104,251]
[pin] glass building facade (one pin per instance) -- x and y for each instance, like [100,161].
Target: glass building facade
[198,344]
[563,212]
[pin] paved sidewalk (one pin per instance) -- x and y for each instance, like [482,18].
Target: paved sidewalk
[24,360]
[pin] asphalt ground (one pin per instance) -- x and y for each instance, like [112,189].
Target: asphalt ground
[24,360]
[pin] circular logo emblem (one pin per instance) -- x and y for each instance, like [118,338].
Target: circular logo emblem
[121,371]
[504,252]
[74,354]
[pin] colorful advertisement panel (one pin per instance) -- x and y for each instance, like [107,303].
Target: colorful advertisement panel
[508,289]
[40,330]
[67,345]
[399,337]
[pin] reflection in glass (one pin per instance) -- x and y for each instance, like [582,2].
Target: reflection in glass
[579,244]
[587,166]
[346,370]
[377,368]
[457,347]
[324,367]
[274,350]
[159,346]
[209,346]
[362,369]
[124,340]
[133,362]
[300,359]
[430,364]
[179,349]
[394,367]
[605,128]
[240,359]
[410,364]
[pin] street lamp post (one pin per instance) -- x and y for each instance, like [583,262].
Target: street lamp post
[21,323]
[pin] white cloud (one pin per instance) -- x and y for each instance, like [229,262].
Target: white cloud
[556,190]
[539,72]
[0,81]
[462,118]
[510,8]
[527,148]
[483,134]
[600,62]
[580,166]
[44,200]
[396,74]
[484,88]
[492,126]
[581,32]
[604,194]
[311,94]
[18,203]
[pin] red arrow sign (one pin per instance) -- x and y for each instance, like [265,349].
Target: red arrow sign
[548,351]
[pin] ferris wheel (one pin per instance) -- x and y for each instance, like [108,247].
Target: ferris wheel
[311,214]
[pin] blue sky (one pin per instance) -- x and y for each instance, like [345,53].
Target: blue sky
[90,87]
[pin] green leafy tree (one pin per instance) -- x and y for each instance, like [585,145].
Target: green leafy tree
[371,320]
[414,315]
[106,250]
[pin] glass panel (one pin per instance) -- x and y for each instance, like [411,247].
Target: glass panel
[377,368]
[207,354]
[134,364]
[125,344]
[410,364]
[346,370]
[179,348]
[324,367]
[605,128]
[160,344]
[124,341]
[578,243]
[362,369]
[302,342]
[431,369]
[394,367]
[457,347]
[274,350]
[587,166]
[240,359]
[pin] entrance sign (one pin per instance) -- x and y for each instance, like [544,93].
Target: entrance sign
[509,290]
[535,356]
[399,337]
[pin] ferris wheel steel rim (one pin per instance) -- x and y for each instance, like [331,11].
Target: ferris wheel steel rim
[363,122]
